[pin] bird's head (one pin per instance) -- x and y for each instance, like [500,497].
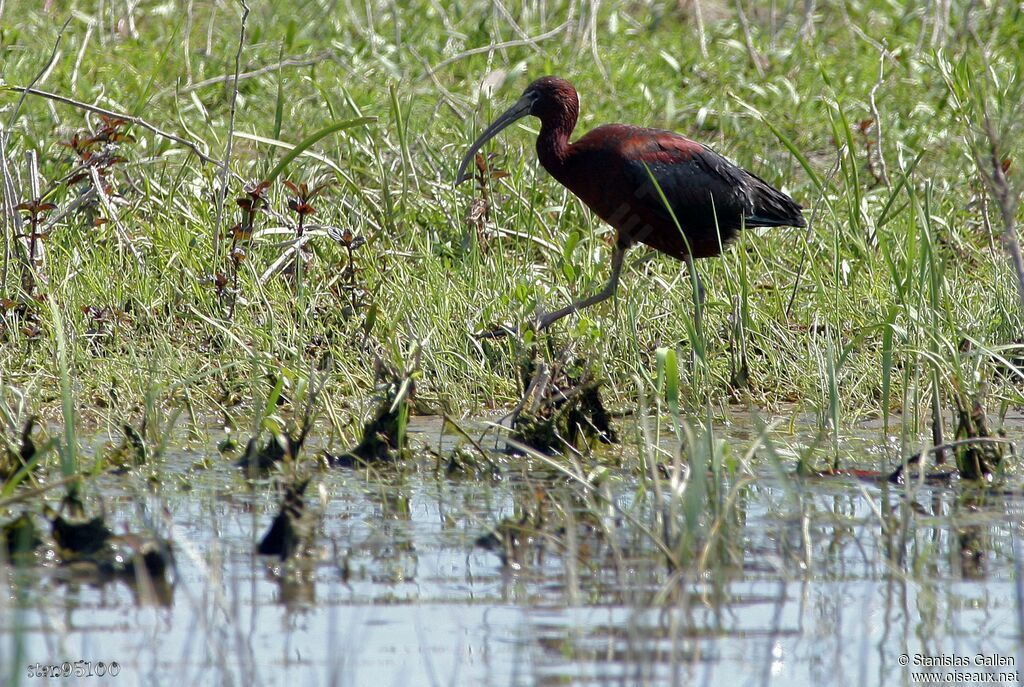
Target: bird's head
[548,98]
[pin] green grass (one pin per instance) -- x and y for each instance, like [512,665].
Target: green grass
[858,315]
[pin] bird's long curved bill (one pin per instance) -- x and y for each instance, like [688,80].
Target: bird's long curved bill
[517,111]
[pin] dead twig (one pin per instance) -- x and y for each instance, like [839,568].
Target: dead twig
[11,190]
[992,166]
[225,165]
[807,24]
[748,41]
[883,171]
[326,55]
[38,77]
[1007,200]
[500,46]
[135,121]
[123,239]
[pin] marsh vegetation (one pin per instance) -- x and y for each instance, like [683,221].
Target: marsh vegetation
[250,434]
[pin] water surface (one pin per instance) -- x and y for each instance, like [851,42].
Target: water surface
[810,582]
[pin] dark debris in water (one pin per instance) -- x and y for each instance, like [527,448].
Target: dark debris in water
[511,539]
[384,439]
[979,452]
[89,546]
[561,406]
[259,460]
[20,536]
[132,452]
[18,456]
[978,455]
[80,538]
[287,532]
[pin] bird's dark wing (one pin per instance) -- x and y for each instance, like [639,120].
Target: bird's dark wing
[702,187]
[674,194]
[672,175]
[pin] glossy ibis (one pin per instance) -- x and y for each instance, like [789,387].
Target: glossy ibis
[654,187]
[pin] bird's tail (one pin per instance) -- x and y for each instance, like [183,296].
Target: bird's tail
[772,207]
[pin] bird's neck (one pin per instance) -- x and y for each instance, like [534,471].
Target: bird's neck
[553,145]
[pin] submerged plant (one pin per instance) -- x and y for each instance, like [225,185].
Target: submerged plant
[979,451]
[561,405]
[18,458]
[287,532]
[384,437]
[93,548]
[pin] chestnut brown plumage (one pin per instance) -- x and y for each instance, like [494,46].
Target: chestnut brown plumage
[654,187]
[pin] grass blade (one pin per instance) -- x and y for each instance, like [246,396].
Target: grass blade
[314,138]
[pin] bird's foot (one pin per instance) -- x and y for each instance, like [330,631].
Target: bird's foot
[543,320]
[538,323]
[498,332]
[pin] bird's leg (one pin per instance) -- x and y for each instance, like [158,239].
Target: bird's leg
[696,282]
[604,294]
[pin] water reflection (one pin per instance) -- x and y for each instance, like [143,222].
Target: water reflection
[425,579]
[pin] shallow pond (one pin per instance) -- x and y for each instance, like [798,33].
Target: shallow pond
[806,582]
